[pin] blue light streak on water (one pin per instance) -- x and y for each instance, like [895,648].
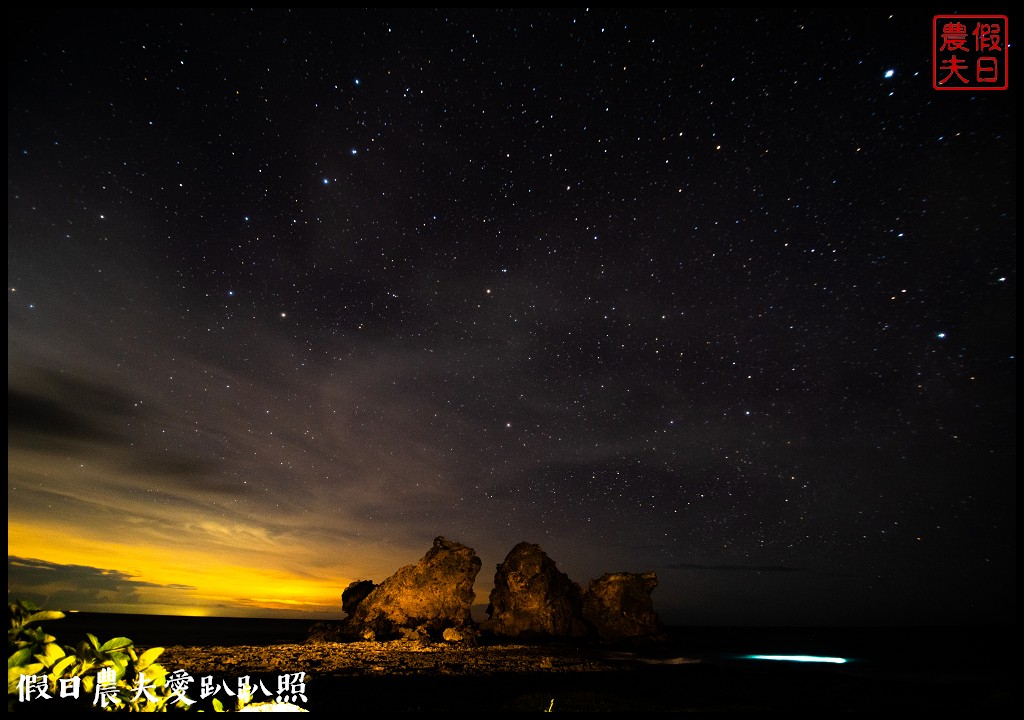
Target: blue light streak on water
[798,658]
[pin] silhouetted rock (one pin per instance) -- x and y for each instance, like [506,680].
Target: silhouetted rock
[354,594]
[533,599]
[618,606]
[423,599]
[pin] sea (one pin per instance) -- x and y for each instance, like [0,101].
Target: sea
[922,646]
[148,631]
[913,669]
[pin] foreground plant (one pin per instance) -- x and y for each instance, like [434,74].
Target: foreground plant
[105,676]
[109,676]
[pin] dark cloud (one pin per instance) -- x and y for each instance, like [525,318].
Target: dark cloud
[72,586]
[50,412]
[47,409]
[36,415]
[49,419]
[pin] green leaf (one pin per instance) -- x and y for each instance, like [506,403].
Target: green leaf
[44,615]
[30,669]
[19,658]
[118,643]
[36,635]
[118,661]
[59,668]
[27,605]
[148,658]
[93,641]
[52,652]
[13,674]
[157,674]
[218,706]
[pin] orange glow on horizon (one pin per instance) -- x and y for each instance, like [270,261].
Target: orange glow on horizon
[207,583]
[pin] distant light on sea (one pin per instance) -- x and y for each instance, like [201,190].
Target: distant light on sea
[798,658]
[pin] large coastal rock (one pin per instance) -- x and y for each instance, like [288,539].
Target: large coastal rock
[618,606]
[424,599]
[533,599]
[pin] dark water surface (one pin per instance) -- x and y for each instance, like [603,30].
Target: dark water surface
[922,646]
[165,630]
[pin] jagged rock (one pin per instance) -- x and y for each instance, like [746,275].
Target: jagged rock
[434,594]
[618,606]
[532,598]
[354,594]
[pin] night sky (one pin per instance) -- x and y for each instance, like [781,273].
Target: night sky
[725,295]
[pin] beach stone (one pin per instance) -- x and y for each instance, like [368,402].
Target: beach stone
[466,637]
[425,598]
[452,635]
[532,598]
[618,606]
[416,634]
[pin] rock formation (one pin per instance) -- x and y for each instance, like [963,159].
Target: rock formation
[618,606]
[533,599]
[424,599]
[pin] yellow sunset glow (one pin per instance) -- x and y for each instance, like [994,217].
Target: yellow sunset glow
[204,583]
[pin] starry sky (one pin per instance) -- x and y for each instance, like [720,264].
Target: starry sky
[725,295]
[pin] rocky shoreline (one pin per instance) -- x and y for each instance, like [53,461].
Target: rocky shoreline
[389,658]
[414,676]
